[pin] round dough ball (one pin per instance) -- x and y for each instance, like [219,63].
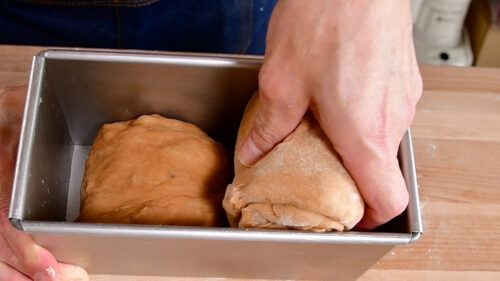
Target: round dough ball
[154,170]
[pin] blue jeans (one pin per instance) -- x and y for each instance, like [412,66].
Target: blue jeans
[218,26]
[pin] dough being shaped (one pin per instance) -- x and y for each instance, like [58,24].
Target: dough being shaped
[300,184]
[154,170]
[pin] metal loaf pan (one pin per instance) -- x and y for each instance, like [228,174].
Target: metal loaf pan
[73,92]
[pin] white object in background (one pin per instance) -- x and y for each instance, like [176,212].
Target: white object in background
[439,35]
[460,55]
[495,11]
[440,22]
[415,9]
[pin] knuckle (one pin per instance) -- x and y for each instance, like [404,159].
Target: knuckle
[274,95]
[378,137]
[411,103]
[36,260]
[409,113]
[266,77]
[271,89]
[416,90]
[419,85]
[395,205]
[263,137]
[399,204]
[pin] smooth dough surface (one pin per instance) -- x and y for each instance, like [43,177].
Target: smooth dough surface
[300,184]
[154,170]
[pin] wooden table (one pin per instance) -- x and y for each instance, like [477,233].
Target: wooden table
[457,148]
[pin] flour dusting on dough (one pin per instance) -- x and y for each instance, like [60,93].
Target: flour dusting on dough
[50,271]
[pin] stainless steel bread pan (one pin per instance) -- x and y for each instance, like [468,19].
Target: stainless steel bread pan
[73,92]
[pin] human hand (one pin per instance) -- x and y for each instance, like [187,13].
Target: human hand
[20,258]
[352,63]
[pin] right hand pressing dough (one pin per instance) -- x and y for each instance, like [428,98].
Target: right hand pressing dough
[300,184]
[154,170]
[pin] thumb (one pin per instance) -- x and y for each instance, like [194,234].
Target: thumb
[278,114]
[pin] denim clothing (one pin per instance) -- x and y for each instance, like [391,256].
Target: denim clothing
[217,26]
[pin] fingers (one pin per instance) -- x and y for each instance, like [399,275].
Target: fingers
[20,257]
[31,260]
[369,153]
[279,113]
[381,184]
[68,273]
[26,256]
[8,273]
[71,272]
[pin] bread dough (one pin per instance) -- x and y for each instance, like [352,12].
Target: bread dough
[154,170]
[300,184]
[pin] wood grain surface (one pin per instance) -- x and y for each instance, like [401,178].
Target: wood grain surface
[457,149]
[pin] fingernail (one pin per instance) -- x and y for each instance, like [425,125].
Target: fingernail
[249,153]
[73,273]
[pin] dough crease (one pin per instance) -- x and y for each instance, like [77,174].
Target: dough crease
[300,184]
